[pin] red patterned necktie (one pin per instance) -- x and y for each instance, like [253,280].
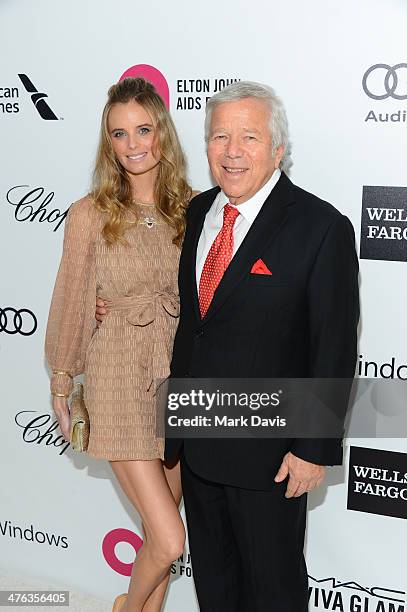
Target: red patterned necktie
[217,260]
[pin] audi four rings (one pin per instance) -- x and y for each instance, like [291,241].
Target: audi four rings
[390,81]
[14,321]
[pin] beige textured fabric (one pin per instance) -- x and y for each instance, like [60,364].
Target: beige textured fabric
[133,346]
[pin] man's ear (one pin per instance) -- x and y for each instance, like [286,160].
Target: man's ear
[278,157]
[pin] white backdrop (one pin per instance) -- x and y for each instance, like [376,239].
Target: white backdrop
[56,509]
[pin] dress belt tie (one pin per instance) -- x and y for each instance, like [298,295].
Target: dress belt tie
[157,308]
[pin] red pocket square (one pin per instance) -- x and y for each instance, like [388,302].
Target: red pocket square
[259,267]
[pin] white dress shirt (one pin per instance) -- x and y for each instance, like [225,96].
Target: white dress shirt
[214,221]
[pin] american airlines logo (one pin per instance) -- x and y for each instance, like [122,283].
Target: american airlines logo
[351,596]
[384,223]
[37,98]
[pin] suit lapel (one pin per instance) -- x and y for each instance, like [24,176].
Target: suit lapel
[263,230]
[189,249]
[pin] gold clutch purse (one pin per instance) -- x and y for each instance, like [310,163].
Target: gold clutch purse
[79,420]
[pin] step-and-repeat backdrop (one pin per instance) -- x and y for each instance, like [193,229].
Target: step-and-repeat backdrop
[341,68]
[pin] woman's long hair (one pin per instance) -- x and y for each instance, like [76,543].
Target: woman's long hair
[111,188]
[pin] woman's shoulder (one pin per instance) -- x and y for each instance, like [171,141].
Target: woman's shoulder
[84,206]
[84,212]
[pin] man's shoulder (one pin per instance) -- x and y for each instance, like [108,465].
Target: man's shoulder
[200,199]
[313,206]
[315,215]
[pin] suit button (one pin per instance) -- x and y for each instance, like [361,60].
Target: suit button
[199,333]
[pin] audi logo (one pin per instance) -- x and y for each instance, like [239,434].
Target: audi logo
[390,88]
[14,321]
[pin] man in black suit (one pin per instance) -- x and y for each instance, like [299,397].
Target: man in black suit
[246,499]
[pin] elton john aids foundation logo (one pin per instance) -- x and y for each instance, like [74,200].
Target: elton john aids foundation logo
[181,567]
[154,76]
[191,94]
[111,540]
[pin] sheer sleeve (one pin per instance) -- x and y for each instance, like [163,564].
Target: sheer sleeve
[71,319]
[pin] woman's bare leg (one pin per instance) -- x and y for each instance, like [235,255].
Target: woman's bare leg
[146,486]
[173,476]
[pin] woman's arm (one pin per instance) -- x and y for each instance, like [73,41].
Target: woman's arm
[71,316]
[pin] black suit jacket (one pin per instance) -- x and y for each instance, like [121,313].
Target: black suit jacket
[301,322]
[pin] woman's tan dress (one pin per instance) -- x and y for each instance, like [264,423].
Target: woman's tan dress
[123,359]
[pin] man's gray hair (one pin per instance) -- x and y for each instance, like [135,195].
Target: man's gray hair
[278,118]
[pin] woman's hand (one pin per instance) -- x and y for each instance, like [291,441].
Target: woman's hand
[62,413]
[100,311]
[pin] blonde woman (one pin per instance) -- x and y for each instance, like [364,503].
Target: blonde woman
[122,243]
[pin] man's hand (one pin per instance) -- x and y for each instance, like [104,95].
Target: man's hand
[63,415]
[303,475]
[100,311]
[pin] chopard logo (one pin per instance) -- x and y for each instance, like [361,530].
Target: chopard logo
[350,596]
[37,98]
[391,82]
[33,431]
[31,204]
[22,321]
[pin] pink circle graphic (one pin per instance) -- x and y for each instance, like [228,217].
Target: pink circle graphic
[109,544]
[154,76]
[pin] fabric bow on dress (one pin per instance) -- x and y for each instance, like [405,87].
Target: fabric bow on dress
[156,309]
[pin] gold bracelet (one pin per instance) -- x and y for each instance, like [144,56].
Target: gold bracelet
[59,395]
[62,372]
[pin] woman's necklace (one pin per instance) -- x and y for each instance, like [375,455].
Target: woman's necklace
[140,203]
[148,220]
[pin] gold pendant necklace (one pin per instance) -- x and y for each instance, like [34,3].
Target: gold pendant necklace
[149,220]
